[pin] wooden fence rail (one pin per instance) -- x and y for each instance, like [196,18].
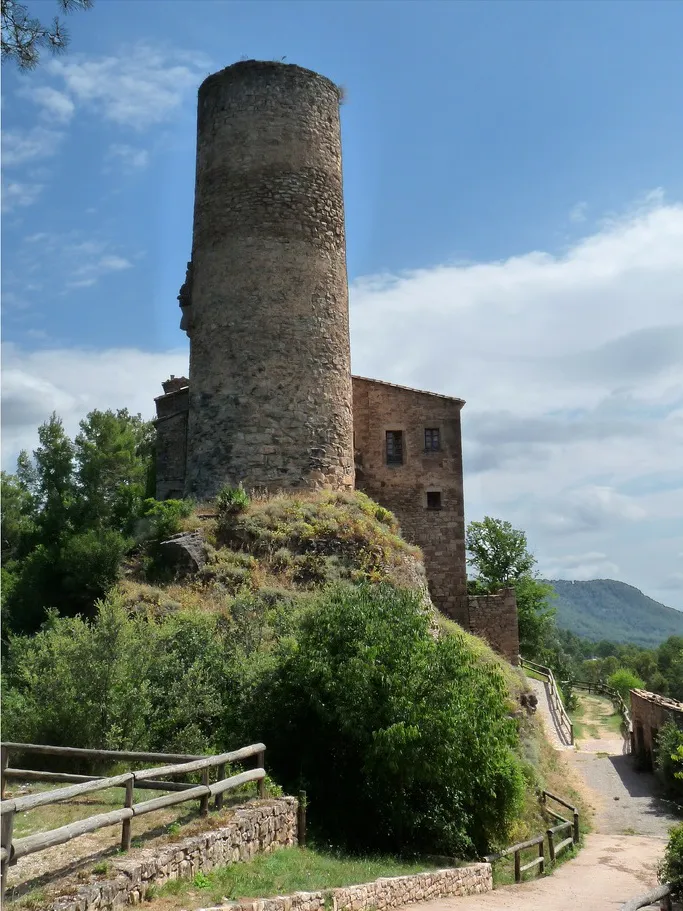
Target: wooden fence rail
[13,850]
[554,693]
[553,848]
[659,893]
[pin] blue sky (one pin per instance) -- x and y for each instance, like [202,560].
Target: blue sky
[514,205]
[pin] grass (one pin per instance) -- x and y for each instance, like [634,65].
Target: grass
[281,873]
[595,718]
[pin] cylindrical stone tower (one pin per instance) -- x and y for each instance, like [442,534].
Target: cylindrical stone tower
[266,297]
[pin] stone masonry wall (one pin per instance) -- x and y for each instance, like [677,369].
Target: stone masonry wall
[254,829]
[270,383]
[649,713]
[387,892]
[494,618]
[171,449]
[440,533]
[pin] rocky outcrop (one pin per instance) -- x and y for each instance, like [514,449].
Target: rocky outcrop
[185,552]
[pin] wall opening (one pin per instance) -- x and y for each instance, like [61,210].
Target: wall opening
[394,447]
[433,499]
[432,439]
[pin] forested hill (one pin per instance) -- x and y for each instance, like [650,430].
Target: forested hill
[607,609]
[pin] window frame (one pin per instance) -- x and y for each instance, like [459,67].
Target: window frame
[434,433]
[393,462]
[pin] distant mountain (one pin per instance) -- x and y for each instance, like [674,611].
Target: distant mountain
[606,609]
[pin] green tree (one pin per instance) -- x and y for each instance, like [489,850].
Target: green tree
[408,733]
[113,455]
[623,681]
[69,514]
[24,36]
[500,557]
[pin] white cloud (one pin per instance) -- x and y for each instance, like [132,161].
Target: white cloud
[55,106]
[577,213]
[579,567]
[138,88]
[74,381]
[17,194]
[128,157]
[22,146]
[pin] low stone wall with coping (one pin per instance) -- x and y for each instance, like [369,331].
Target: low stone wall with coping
[384,893]
[256,828]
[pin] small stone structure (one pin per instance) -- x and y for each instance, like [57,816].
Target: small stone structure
[649,713]
[254,829]
[494,618]
[270,402]
[383,893]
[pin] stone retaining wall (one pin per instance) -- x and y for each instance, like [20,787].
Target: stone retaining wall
[387,892]
[253,829]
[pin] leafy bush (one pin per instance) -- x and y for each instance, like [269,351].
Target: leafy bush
[670,759]
[623,681]
[671,870]
[121,682]
[162,518]
[232,500]
[405,732]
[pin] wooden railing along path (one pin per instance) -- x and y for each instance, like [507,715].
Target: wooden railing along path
[554,848]
[662,894]
[555,698]
[177,764]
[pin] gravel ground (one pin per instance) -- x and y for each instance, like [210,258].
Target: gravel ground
[623,798]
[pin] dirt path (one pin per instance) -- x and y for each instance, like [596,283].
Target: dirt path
[606,873]
[620,857]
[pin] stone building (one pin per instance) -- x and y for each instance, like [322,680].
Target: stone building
[270,402]
[649,713]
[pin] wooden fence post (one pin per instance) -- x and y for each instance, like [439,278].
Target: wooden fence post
[220,775]
[541,854]
[518,864]
[6,843]
[301,820]
[204,801]
[577,832]
[126,826]
[551,846]
[5,761]
[261,764]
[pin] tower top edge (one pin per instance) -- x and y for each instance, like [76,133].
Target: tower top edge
[235,72]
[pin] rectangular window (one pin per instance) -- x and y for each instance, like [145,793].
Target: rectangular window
[432,439]
[394,447]
[433,499]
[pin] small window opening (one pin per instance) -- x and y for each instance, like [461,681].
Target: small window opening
[432,439]
[394,447]
[433,499]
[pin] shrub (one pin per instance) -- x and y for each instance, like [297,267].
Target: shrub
[405,732]
[232,500]
[671,870]
[623,681]
[670,759]
[162,518]
[120,682]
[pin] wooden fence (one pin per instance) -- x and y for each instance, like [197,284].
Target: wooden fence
[661,894]
[554,693]
[551,833]
[177,764]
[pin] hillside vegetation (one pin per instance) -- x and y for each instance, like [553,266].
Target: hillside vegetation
[308,627]
[606,609]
